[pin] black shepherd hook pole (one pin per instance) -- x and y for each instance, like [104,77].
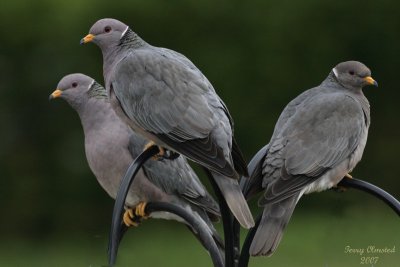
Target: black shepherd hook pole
[116,226]
[346,182]
[227,223]
[205,237]
[245,255]
[372,190]
[118,229]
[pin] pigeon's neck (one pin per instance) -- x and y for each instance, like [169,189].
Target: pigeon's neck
[97,91]
[93,115]
[129,41]
[365,107]
[109,58]
[332,81]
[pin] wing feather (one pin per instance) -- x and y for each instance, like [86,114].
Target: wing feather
[177,104]
[319,134]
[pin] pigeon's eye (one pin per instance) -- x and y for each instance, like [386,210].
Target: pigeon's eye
[107,29]
[351,72]
[74,84]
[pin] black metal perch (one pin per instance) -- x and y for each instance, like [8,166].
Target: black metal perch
[233,257]
[118,229]
[346,182]
[232,251]
[372,190]
[116,226]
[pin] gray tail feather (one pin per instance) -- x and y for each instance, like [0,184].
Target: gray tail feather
[273,223]
[232,193]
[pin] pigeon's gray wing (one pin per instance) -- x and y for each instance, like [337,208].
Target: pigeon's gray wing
[253,185]
[176,177]
[176,103]
[312,136]
[320,134]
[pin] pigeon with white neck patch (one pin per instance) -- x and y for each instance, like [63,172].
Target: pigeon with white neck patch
[162,95]
[111,146]
[318,139]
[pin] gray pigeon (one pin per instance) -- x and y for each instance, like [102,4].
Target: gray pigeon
[163,96]
[110,147]
[319,138]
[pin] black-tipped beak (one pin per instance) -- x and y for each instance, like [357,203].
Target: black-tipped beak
[87,39]
[371,81]
[57,93]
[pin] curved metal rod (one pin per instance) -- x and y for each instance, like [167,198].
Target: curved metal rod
[247,190]
[116,225]
[227,222]
[193,224]
[346,182]
[204,236]
[372,190]
[245,255]
[118,229]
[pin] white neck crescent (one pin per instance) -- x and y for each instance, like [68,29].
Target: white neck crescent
[124,32]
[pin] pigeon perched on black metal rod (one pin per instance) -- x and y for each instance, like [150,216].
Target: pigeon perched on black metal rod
[319,138]
[110,147]
[163,96]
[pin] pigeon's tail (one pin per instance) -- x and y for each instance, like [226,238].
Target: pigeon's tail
[273,222]
[230,189]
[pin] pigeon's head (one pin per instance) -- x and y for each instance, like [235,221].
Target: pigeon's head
[77,89]
[106,33]
[353,75]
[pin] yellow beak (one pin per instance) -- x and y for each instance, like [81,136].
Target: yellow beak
[87,39]
[371,81]
[55,94]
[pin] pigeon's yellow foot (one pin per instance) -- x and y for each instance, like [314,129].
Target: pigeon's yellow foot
[159,155]
[129,218]
[140,210]
[342,189]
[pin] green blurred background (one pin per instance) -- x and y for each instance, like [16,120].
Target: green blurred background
[258,55]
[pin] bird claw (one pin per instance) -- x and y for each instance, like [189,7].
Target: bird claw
[342,189]
[131,218]
[163,153]
[171,155]
[140,210]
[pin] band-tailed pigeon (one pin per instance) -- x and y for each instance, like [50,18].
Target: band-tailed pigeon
[319,138]
[110,147]
[163,96]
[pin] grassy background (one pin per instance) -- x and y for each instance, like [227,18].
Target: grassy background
[313,238]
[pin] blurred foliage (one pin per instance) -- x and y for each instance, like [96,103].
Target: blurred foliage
[320,243]
[258,55]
